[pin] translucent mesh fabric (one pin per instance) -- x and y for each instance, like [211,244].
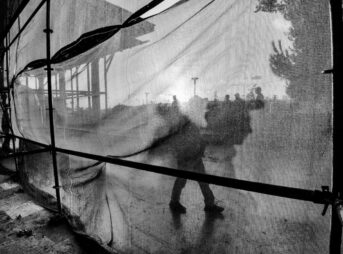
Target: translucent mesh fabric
[155,91]
[30,44]
[7,166]
[71,19]
[23,17]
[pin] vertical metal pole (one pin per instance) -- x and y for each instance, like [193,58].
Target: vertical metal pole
[195,84]
[337,176]
[146,98]
[8,113]
[56,91]
[7,70]
[7,64]
[72,89]
[95,85]
[8,105]
[48,31]
[105,81]
[88,88]
[77,90]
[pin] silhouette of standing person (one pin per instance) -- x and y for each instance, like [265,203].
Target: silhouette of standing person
[188,148]
[238,98]
[227,101]
[175,104]
[259,95]
[250,96]
[259,101]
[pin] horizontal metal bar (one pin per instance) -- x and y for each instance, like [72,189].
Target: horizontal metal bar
[4,91]
[329,71]
[74,92]
[17,154]
[315,196]
[275,190]
[28,140]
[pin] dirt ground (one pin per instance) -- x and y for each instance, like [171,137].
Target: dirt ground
[26,227]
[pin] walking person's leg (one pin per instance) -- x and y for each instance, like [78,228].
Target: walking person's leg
[179,184]
[175,204]
[207,193]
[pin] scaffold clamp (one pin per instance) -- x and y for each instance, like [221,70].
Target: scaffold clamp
[329,71]
[339,208]
[48,30]
[325,189]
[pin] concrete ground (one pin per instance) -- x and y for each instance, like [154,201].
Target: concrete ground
[280,151]
[29,228]
[251,222]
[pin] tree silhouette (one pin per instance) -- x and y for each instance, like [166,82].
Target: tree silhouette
[280,61]
[269,6]
[302,64]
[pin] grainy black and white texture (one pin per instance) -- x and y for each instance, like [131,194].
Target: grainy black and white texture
[231,88]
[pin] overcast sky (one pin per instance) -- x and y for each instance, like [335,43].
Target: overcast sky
[226,45]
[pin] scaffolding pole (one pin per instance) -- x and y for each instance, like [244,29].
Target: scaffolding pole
[7,106]
[337,61]
[306,195]
[48,31]
[19,154]
[323,196]
[105,82]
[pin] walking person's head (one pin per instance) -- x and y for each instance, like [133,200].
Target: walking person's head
[258,90]
[237,96]
[227,98]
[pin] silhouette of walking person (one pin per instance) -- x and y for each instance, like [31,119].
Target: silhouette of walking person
[259,101]
[259,95]
[188,148]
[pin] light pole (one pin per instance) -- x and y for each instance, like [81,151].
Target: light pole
[195,84]
[146,98]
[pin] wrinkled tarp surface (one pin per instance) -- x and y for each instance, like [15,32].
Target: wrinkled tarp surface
[150,87]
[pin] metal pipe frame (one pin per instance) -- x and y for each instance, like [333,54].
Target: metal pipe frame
[337,174]
[27,140]
[4,91]
[8,110]
[315,196]
[18,154]
[7,67]
[48,31]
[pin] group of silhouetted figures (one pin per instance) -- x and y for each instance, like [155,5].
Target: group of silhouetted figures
[228,122]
